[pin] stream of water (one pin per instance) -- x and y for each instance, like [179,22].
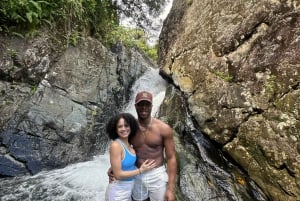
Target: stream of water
[85,181]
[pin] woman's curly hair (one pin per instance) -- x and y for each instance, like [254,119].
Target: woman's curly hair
[111,127]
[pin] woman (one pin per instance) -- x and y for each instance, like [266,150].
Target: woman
[121,128]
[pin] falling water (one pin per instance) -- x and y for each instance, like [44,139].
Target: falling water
[150,81]
[87,180]
[82,181]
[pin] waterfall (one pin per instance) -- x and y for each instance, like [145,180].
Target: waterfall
[88,180]
[152,82]
[82,181]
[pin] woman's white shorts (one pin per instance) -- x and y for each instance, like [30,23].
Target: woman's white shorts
[119,191]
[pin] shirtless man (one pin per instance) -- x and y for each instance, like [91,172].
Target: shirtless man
[154,141]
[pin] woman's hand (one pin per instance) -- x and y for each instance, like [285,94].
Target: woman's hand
[147,165]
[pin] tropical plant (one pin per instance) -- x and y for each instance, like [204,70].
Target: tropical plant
[131,37]
[72,19]
[82,16]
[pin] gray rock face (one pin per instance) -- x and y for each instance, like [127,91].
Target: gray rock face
[237,63]
[55,104]
[204,173]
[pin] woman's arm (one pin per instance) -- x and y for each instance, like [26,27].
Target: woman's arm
[116,155]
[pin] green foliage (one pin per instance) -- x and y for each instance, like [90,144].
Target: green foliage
[131,37]
[73,38]
[12,53]
[23,13]
[69,17]
[72,19]
[271,84]
[224,76]
[33,89]
[189,2]
[150,51]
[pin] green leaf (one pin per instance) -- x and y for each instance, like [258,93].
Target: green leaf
[36,5]
[29,16]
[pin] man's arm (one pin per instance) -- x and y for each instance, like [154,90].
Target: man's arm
[110,175]
[171,162]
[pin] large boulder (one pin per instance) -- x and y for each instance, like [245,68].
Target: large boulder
[238,65]
[55,104]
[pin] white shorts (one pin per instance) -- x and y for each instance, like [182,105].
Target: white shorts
[119,191]
[151,184]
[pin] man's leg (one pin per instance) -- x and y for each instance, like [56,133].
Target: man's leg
[139,191]
[148,199]
[157,184]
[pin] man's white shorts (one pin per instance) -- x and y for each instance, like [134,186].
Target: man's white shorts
[151,184]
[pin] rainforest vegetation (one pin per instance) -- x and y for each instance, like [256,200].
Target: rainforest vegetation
[69,21]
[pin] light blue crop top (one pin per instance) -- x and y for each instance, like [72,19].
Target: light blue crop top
[128,162]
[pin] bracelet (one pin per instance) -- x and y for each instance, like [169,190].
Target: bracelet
[140,171]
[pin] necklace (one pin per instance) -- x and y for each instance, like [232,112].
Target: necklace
[144,129]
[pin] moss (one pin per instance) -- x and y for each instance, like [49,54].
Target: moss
[33,89]
[189,2]
[224,76]
[270,85]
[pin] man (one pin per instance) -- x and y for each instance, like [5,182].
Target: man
[154,141]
